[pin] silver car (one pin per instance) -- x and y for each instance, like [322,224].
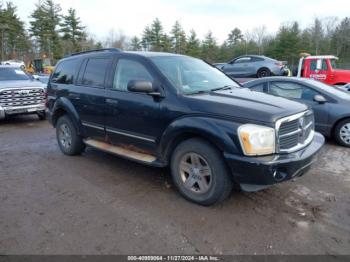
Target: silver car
[20,93]
[253,66]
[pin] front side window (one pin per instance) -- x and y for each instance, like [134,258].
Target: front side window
[65,71]
[258,87]
[128,70]
[12,74]
[190,75]
[95,72]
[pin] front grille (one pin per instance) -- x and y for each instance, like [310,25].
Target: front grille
[295,132]
[22,97]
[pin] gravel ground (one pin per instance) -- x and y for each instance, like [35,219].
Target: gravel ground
[100,204]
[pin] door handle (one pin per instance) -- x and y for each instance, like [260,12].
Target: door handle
[111,101]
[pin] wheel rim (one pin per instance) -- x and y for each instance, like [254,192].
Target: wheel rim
[344,133]
[65,136]
[195,173]
[263,73]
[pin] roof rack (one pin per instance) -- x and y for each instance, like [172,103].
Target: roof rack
[98,50]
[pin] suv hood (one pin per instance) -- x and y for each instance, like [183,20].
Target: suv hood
[242,103]
[20,84]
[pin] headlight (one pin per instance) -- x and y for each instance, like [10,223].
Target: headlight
[257,140]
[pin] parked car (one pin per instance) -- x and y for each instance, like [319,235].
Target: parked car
[331,106]
[15,63]
[20,93]
[164,109]
[253,66]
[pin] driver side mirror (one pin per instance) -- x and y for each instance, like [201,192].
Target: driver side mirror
[320,99]
[143,86]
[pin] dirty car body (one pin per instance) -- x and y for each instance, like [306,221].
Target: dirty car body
[144,106]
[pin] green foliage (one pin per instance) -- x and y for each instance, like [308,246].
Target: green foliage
[13,38]
[209,48]
[73,32]
[44,27]
[178,38]
[193,45]
[136,44]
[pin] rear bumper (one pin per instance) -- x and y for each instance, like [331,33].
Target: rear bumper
[284,71]
[256,173]
[17,110]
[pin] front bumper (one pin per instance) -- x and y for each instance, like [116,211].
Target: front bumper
[16,110]
[256,173]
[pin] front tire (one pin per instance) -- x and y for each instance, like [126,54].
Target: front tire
[342,133]
[200,173]
[68,139]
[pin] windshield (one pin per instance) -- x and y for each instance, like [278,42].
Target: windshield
[10,73]
[330,89]
[191,75]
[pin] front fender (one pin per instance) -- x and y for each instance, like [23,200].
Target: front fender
[64,104]
[221,133]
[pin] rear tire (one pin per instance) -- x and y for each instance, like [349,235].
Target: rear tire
[263,72]
[342,133]
[68,139]
[200,173]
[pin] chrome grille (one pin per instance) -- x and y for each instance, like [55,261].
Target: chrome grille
[295,132]
[21,97]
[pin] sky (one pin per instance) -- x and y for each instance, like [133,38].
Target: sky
[219,16]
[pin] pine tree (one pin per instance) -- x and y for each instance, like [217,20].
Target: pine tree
[13,37]
[156,35]
[44,27]
[193,45]
[73,31]
[209,48]
[136,44]
[234,37]
[178,37]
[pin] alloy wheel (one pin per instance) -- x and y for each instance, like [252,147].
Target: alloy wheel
[195,173]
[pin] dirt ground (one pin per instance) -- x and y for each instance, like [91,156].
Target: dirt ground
[100,204]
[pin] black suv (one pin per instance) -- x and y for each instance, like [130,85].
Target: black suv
[171,110]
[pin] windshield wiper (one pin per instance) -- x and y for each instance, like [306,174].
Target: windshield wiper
[226,87]
[198,92]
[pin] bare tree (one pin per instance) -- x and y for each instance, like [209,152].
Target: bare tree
[259,35]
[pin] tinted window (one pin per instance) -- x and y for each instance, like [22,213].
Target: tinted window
[11,73]
[95,72]
[256,59]
[65,71]
[292,90]
[243,60]
[128,70]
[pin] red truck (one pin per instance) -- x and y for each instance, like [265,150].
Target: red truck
[323,68]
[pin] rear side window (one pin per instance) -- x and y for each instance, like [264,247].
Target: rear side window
[258,87]
[95,72]
[65,72]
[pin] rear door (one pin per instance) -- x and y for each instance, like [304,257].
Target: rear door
[90,94]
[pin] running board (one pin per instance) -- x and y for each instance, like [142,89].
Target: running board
[121,151]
